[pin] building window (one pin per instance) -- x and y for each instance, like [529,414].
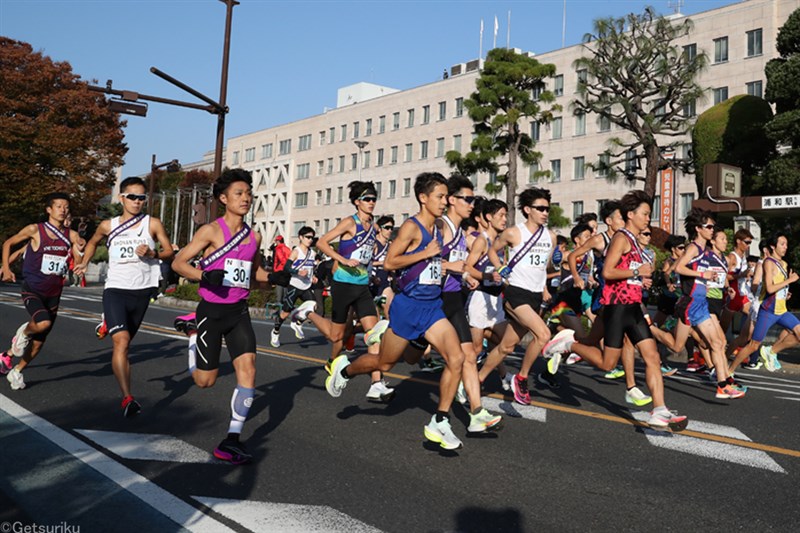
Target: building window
[535,130]
[755,88]
[690,52]
[378,187]
[368,128]
[301,199]
[322,138]
[339,194]
[320,167]
[235,158]
[406,187]
[604,123]
[583,77]
[536,92]
[356,129]
[721,50]
[555,129]
[326,225]
[457,143]
[327,196]
[332,136]
[686,203]
[603,166]
[382,124]
[392,189]
[410,118]
[396,121]
[442,110]
[353,161]
[285,147]
[558,85]
[379,162]
[690,108]
[459,107]
[423,150]
[393,158]
[578,168]
[577,210]
[426,114]
[365,162]
[318,198]
[754,43]
[440,147]
[341,163]
[249,155]
[600,204]
[409,152]
[720,94]
[686,151]
[343,135]
[303,171]
[655,213]
[266,151]
[304,143]
[329,170]
[555,170]
[533,171]
[580,124]
[631,162]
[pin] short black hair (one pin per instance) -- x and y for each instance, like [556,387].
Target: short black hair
[608,209]
[359,189]
[763,244]
[426,182]
[560,239]
[631,202]
[577,230]
[530,195]
[696,217]
[305,230]
[772,240]
[586,218]
[673,241]
[53,196]
[229,177]
[133,180]
[490,207]
[456,182]
[385,219]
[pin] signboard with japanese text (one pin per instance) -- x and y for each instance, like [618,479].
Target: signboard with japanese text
[780,202]
[667,196]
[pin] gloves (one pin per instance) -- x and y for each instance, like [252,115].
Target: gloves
[504,272]
[213,277]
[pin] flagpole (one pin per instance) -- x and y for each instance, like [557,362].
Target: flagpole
[496,26]
[508,33]
[480,46]
[564,27]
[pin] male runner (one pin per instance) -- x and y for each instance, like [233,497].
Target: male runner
[301,267]
[133,275]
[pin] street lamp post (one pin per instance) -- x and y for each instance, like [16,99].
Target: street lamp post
[171,166]
[361,145]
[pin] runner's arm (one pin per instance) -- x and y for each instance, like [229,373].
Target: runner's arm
[396,257]
[344,226]
[572,258]
[160,235]
[91,246]
[25,234]
[201,240]
[477,249]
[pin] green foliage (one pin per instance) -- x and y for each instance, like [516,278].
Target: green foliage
[100,254]
[639,78]
[557,218]
[501,108]
[187,291]
[106,211]
[733,132]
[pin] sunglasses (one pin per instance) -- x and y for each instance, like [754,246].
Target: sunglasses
[707,226]
[468,199]
[681,247]
[646,233]
[748,243]
[390,228]
[369,198]
[541,208]
[307,236]
[135,197]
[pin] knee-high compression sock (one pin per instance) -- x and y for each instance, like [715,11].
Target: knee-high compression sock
[278,323]
[192,353]
[241,401]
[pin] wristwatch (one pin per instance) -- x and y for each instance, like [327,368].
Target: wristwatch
[635,272]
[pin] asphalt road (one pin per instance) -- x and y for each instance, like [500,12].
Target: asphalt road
[575,460]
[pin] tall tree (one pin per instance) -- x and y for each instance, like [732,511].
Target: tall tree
[783,172]
[502,109]
[55,135]
[637,78]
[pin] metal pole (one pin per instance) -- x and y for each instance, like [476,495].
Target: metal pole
[153,169]
[191,212]
[176,218]
[163,206]
[223,90]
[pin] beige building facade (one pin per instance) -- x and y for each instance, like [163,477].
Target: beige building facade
[301,169]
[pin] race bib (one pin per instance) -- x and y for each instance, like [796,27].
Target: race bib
[237,273]
[432,275]
[363,255]
[123,254]
[457,255]
[538,260]
[54,265]
[637,281]
[718,281]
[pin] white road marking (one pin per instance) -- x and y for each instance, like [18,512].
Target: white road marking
[514,410]
[165,502]
[285,517]
[148,447]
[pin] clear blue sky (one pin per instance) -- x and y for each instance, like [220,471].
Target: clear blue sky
[288,58]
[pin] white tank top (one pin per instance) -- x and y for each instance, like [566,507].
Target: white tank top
[304,261]
[126,270]
[530,272]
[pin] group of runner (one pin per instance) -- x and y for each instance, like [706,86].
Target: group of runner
[454,278]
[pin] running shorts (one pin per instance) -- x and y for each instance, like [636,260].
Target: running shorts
[454,306]
[347,295]
[124,309]
[410,319]
[218,321]
[766,320]
[624,319]
[41,309]
[517,297]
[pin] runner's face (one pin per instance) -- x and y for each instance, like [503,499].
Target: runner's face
[720,242]
[640,218]
[499,220]
[435,202]
[238,198]
[783,245]
[582,237]
[59,210]
[133,207]
[462,202]
[593,225]
[536,214]
[367,205]
[615,221]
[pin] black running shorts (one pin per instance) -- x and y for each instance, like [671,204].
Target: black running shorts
[40,308]
[218,321]
[455,309]
[624,319]
[292,294]
[347,295]
[517,297]
[124,309]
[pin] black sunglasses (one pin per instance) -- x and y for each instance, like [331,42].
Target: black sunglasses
[135,197]
[468,199]
[541,208]
[388,227]
[646,233]
[307,236]
[681,247]
[707,226]
[369,198]
[748,243]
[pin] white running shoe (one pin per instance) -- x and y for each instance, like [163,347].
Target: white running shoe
[375,335]
[573,358]
[381,392]
[336,382]
[553,363]
[275,339]
[461,394]
[15,379]
[298,330]
[483,420]
[636,397]
[442,434]
[20,341]
[766,355]
[560,343]
[301,312]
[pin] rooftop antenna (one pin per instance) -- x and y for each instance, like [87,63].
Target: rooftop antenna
[564,26]
[676,6]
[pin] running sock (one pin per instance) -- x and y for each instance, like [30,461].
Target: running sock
[350,343]
[721,384]
[241,401]
[476,410]
[278,323]
[192,353]
[631,388]
[343,372]
[441,416]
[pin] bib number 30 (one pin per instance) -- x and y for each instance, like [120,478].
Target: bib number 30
[237,273]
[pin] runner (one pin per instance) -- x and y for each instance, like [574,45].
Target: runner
[350,286]
[44,268]
[230,251]
[741,299]
[623,270]
[380,278]
[133,275]
[416,314]
[301,267]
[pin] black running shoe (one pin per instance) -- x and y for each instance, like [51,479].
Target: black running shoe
[548,379]
[130,407]
[232,451]
[186,324]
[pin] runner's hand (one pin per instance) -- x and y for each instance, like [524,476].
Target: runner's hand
[8,275]
[351,262]
[213,277]
[433,249]
[646,270]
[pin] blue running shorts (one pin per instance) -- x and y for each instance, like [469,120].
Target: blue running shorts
[410,319]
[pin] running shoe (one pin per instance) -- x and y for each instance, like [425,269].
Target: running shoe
[233,451]
[442,434]
[461,394]
[482,421]
[298,330]
[573,359]
[505,381]
[560,343]
[730,392]
[186,324]
[670,323]
[769,360]
[328,364]
[301,312]
[130,407]
[615,373]
[667,370]
[14,377]
[379,301]
[481,357]
[431,365]
[776,361]
[519,386]
[712,375]
[6,363]
[380,392]
[20,341]
[275,339]
[663,418]
[336,382]
[548,380]
[694,366]
[375,335]
[636,397]
[553,363]
[101,330]
[753,366]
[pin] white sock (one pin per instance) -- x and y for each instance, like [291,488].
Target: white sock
[192,353]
